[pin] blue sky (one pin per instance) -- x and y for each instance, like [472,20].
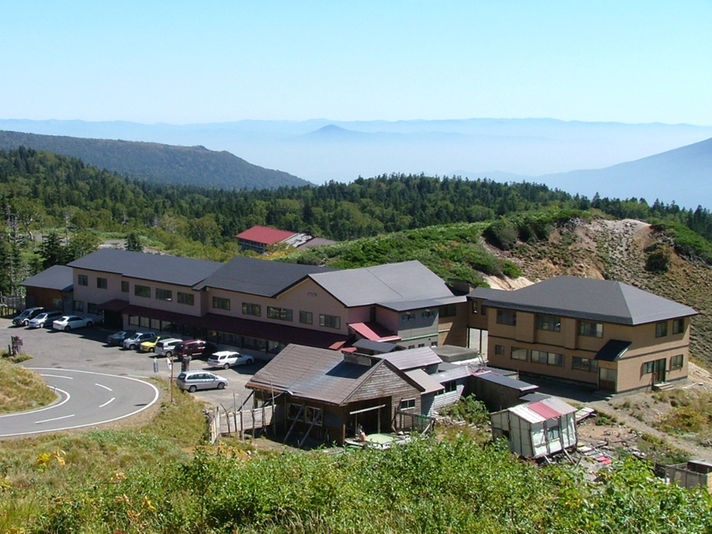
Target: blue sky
[211,61]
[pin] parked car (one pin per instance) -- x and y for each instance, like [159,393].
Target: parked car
[69,322]
[149,345]
[228,358]
[135,341]
[166,346]
[117,338]
[44,319]
[23,318]
[194,348]
[195,380]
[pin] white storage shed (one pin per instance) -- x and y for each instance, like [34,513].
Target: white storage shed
[537,429]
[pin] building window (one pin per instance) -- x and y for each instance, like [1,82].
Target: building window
[548,322]
[92,308]
[306,317]
[82,280]
[499,350]
[519,354]
[186,298]
[220,303]
[124,286]
[101,283]
[249,308]
[450,386]
[407,404]
[282,314]
[164,294]
[584,364]
[678,326]
[590,329]
[329,321]
[661,329]
[78,306]
[142,291]
[407,316]
[449,310]
[648,367]
[553,433]
[508,317]
[427,314]
[548,358]
[676,362]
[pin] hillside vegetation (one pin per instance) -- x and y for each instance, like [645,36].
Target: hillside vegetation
[157,163]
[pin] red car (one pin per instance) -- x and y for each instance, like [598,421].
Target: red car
[194,348]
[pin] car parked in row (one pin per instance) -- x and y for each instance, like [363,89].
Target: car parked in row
[194,348]
[166,346]
[229,358]
[149,345]
[45,319]
[195,380]
[70,322]
[117,338]
[23,318]
[133,342]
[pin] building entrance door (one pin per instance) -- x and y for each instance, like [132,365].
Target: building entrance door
[659,371]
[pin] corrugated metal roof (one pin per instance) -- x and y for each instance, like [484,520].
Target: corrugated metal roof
[542,410]
[374,332]
[585,298]
[391,283]
[419,357]
[504,380]
[308,372]
[57,277]
[158,267]
[265,235]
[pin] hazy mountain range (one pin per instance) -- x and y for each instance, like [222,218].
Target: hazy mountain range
[541,150]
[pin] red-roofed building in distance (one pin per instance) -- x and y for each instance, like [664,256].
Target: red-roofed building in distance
[260,238]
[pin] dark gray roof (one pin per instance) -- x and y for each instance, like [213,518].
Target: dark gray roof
[585,298]
[155,267]
[58,277]
[408,281]
[376,347]
[613,350]
[508,381]
[406,305]
[308,372]
[259,277]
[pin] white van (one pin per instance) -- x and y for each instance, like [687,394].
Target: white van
[166,347]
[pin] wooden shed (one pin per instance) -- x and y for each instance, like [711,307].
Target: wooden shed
[51,288]
[537,429]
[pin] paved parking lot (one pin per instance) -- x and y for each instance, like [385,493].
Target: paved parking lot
[85,350]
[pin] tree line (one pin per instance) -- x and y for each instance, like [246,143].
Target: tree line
[44,194]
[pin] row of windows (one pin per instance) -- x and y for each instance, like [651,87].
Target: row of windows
[552,323]
[577,362]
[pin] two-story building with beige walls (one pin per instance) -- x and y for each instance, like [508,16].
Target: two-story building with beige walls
[265,305]
[138,290]
[605,334]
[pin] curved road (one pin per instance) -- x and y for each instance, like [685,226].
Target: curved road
[86,398]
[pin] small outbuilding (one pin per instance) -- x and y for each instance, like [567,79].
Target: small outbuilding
[537,429]
[51,288]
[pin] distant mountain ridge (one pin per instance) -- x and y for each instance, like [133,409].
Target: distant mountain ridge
[683,173]
[158,163]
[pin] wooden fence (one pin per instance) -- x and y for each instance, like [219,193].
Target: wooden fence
[224,422]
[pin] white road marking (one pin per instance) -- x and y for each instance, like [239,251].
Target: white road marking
[107,402]
[59,376]
[103,386]
[54,419]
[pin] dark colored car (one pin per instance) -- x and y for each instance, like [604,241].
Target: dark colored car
[117,338]
[25,315]
[194,348]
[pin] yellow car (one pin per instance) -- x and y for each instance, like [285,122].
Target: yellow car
[150,345]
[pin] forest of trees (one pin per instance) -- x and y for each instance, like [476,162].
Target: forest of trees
[57,208]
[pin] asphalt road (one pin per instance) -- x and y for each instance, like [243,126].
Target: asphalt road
[85,350]
[85,399]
